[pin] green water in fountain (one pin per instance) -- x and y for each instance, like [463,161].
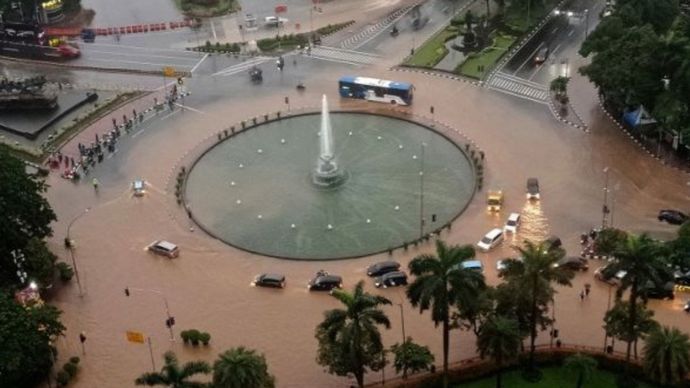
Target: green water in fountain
[255,190]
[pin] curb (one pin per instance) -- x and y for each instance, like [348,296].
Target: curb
[552,107]
[435,74]
[637,142]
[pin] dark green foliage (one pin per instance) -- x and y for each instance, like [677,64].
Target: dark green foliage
[174,375]
[411,357]
[667,355]
[241,368]
[40,262]
[70,368]
[26,215]
[25,351]
[65,271]
[62,378]
[608,240]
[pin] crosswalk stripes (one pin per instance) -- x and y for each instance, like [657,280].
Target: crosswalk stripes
[242,67]
[358,40]
[519,87]
[343,56]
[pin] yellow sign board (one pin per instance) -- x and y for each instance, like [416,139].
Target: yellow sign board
[169,71]
[135,336]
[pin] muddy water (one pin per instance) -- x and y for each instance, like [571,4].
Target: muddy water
[208,286]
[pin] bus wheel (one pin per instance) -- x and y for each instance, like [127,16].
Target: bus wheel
[393,102]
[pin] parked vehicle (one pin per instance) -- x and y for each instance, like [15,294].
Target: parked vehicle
[382,268]
[574,263]
[687,307]
[164,248]
[673,217]
[605,274]
[501,264]
[391,279]
[532,188]
[325,282]
[491,240]
[658,291]
[269,280]
[513,223]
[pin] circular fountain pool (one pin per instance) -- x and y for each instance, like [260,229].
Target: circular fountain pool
[255,190]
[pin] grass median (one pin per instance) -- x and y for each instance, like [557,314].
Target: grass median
[433,50]
[477,65]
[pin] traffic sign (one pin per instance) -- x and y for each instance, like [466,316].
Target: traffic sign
[135,336]
[169,71]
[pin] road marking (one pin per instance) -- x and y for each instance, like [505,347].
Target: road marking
[199,63]
[536,70]
[529,58]
[556,49]
[170,114]
[554,30]
[134,62]
[137,55]
[240,67]
[213,29]
[571,32]
[140,48]
[190,108]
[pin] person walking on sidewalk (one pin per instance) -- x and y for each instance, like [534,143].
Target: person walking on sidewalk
[95,184]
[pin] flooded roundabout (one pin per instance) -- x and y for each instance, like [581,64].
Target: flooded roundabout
[329,185]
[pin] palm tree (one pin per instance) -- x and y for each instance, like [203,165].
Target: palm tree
[349,339]
[174,376]
[533,275]
[499,338]
[241,368]
[639,257]
[581,365]
[667,355]
[442,282]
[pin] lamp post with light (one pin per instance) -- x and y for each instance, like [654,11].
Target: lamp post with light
[69,244]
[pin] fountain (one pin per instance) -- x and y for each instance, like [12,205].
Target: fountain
[356,193]
[327,173]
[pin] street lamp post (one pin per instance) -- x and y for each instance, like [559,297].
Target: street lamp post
[605,207]
[421,193]
[170,320]
[70,246]
[586,23]
[608,308]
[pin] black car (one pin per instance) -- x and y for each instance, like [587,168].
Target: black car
[269,280]
[575,263]
[682,279]
[659,291]
[532,188]
[391,279]
[673,217]
[382,267]
[325,283]
[541,56]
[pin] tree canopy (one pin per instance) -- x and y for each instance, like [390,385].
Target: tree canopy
[26,214]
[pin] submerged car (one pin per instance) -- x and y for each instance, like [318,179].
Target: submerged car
[533,188]
[574,263]
[391,279]
[673,217]
[382,268]
[513,223]
[269,280]
[491,240]
[164,248]
[325,282]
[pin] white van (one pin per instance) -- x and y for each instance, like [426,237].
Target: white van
[491,240]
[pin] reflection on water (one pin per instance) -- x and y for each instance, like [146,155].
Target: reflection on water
[534,225]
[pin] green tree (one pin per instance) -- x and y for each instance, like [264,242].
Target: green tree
[499,338]
[639,257]
[441,283]
[241,368]
[411,357]
[40,262]
[349,339]
[617,325]
[175,376]
[581,365]
[26,353]
[26,214]
[667,355]
[608,240]
[533,276]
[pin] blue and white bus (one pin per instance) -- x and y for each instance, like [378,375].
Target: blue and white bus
[374,89]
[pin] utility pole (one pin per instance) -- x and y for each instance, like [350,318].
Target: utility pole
[70,246]
[586,23]
[421,194]
[170,320]
[605,207]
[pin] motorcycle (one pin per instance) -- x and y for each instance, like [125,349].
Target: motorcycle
[687,307]
[301,87]
[394,31]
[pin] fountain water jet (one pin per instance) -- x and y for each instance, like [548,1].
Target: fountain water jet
[327,173]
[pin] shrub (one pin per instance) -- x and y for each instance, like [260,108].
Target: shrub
[74,360]
[62,378]
[205,338]
[194,336]
[65,271]
[185,336]
[70,368]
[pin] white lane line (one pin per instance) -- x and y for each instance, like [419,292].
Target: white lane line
[170,114]
[536,70]
[141,48]
[121,54]
[571,32]
[529,58]
[199,63]
[337,60]
[190,108]
[554,30]
[134,62]
[556,49]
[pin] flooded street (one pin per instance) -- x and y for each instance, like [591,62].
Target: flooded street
[130,12]
[207,287]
